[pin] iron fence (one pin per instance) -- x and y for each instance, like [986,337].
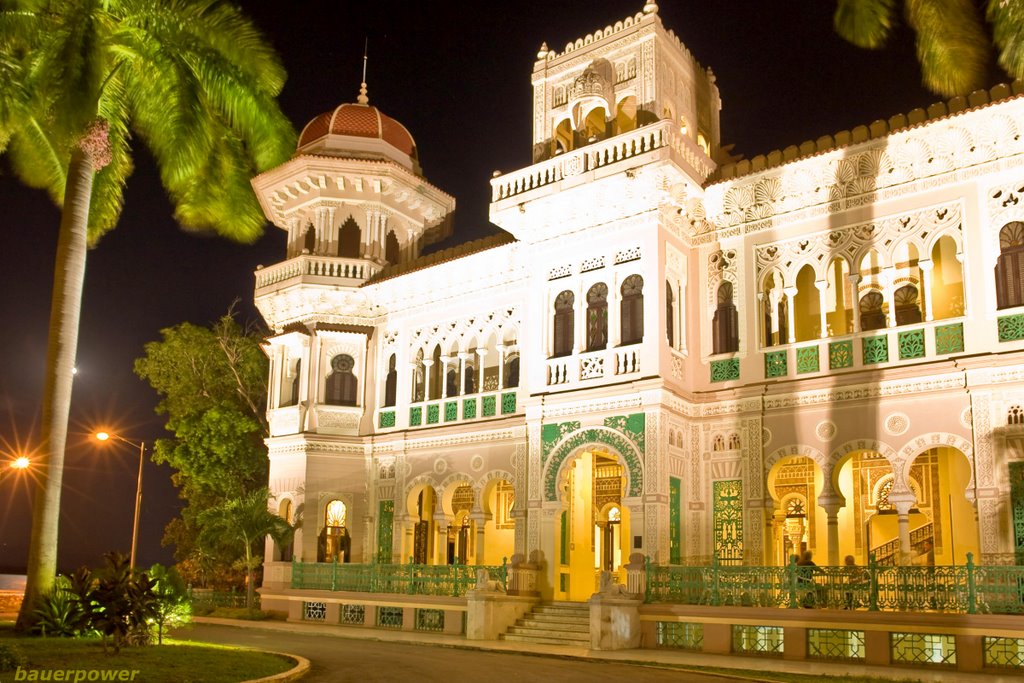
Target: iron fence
[966,588]
[409,579]
[210,599]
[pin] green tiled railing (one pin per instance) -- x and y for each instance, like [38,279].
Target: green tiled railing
[949,339]
[807,360]
[775,364]
[875,349]
[725,370]
[1011,327]
[840,355]
[911,344]
[408,579]
[387,419]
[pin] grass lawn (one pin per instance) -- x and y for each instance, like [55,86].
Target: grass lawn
[172,662]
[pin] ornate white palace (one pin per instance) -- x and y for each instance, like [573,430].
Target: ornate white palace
[669,353]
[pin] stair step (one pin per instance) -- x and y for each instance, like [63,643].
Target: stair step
[549,633]
[529,622]
[559,617]
[548,609]
[543,641]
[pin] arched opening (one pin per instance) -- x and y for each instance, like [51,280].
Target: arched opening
[625,115]
[631,310]
[285,511]
[868,523]
[436,374]
[726,322]
[460,534]
[391,248]
[453,372]
[421,505]
[907,299]
[670,315]
[951,531]
[419,378]
[908,307]
[807,306]
[597,317]
[872,311]
[589,541]
[335,542]
[512,370]
[563,141]
[595,125]
[947,286]
[291,396]
[839,299]
[342,386]
[498,501]
[349,236]
[391,382]
[309,240]
[794,484]
[563,324]
[776,311]
[1010,266]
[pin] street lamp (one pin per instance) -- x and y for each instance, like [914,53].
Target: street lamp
[105,436]
[20,464]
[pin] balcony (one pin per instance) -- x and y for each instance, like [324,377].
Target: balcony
[437,412]
[317,270]
[580,369]
[662,135]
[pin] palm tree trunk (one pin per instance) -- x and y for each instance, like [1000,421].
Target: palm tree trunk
[250,589]
[65,310]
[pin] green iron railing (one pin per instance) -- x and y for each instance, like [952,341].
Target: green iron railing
[966,588]
[409,579]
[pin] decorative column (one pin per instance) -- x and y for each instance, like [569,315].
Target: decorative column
[762,306]
[926,266]
[822,286]
[831,504]
[855,279]
[427,364]
[790,294]
[480,520]
[681,314]
[579,323]
[779,535]
[614,335]
[461,371]
[444,376]
[903,501]
[888,280]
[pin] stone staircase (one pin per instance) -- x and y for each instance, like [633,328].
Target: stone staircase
[554,623]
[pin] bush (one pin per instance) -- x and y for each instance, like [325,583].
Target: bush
[11,657]
[172,607]
[62,612]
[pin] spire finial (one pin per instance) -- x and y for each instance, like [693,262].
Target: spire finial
[363,99]
[651,7]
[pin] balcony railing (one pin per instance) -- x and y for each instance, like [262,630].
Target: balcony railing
[592,365]
[480,406]
[327,268]
[964,589]
[663,134]
[407,579]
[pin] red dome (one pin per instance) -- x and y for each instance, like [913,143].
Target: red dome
[362,121]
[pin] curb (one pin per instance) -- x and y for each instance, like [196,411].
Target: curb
[300,669]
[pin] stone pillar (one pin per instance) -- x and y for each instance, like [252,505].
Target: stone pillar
[681,315]
[427,364]
[444,376]
[831,505]
[790,294]
[822,286]
[480,520]
[614,313]
[461,371]
[855,279]
[614,618]
[501,367]
[903,501]
[888,280]
[765,313]
[441,524]
[926,266]
[481,361]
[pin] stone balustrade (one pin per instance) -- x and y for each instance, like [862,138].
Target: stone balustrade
[311,267]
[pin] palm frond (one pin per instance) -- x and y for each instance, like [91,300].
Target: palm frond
[1007,19]
[951,45]
[37,160]
[865,23]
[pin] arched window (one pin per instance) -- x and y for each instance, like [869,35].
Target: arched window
[284,511]
[436,374]
[342,386]
[391,248]
[872,316]
[349,238]
[452,379]
[309,240]
[1010,266]
[908,310]
[293,396]
[419,378]
[336,543]
[947,290]
[563,324]
[725,337]
[512,371]
[597,317]
[391,383]
[670,315]
[631,310]
[469,376]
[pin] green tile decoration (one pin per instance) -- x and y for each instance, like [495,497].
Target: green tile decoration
[469,409]
[385,531]
[433,414]
[675,522]
[775,364]
[725,370]
[451,411]
[416,416]
[508,403]
[840,355]
[387,419]
[489,406]
[1011,327]
[949,339]
[911,344]
[875,349]
[807,360]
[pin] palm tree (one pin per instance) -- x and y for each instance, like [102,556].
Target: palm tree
[241,525]
[952,45]
[79,81]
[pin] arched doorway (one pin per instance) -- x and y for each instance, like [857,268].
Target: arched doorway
[336,544]
[940,477]
[460,536]
[593,530]
[799,524]
[421,504]
[499,536]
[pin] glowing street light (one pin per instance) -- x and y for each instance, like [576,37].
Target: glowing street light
[106,436]
[19,464]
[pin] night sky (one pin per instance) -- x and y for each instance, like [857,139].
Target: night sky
[458,76]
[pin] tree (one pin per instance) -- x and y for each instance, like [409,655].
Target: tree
[213,386]
[950,37]
[243,524]
[79,80]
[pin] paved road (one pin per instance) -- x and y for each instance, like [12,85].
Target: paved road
[337,660]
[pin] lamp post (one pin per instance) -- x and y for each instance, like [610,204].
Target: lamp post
[105,436]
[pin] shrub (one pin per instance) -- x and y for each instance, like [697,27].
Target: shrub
[11,657]
[172,607]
